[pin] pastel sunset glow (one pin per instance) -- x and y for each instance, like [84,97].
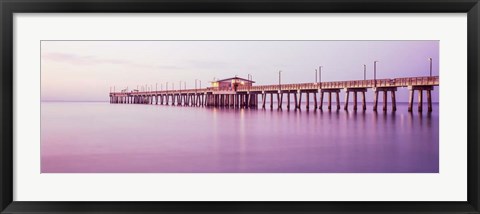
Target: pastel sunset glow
[88,70]
[234,126]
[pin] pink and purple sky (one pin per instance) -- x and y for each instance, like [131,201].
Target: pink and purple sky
[86,70]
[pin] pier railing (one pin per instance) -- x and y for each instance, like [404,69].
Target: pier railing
[397,82]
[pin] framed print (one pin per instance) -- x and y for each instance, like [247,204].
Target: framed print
[239,106]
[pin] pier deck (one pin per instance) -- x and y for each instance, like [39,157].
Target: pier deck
[248,96]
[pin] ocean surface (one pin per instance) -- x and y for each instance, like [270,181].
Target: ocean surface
[98,137]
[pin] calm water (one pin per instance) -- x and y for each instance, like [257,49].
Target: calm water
[103,137]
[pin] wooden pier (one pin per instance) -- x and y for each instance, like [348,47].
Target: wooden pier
[249,96]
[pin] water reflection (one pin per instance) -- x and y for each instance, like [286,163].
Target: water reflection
[100,137]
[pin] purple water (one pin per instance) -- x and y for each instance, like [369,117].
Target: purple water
[89,137]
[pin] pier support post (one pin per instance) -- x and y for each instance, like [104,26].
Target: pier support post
[315,100]
[347,95]
[354,100]
[280,100]
[300,100]
[271,100]
[420,100]
[364,104]
[329,100]
[394,101]
[264,97]
[321,100]
[410,100]
[295,99]
[375,99]
[237,101]
[308,100]
[338,100]
[288,100]
[384,100]
[247,99]
[429,100]
[240,101]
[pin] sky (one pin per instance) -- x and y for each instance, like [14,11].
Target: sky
[88,70]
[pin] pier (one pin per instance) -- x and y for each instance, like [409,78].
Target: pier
[241,93]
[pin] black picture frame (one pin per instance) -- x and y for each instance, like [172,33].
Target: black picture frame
[9,7]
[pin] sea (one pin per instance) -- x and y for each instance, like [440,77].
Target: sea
[99,137]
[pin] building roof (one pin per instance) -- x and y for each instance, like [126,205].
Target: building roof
[234,78]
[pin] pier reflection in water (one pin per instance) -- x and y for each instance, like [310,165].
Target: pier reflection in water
[100,137]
